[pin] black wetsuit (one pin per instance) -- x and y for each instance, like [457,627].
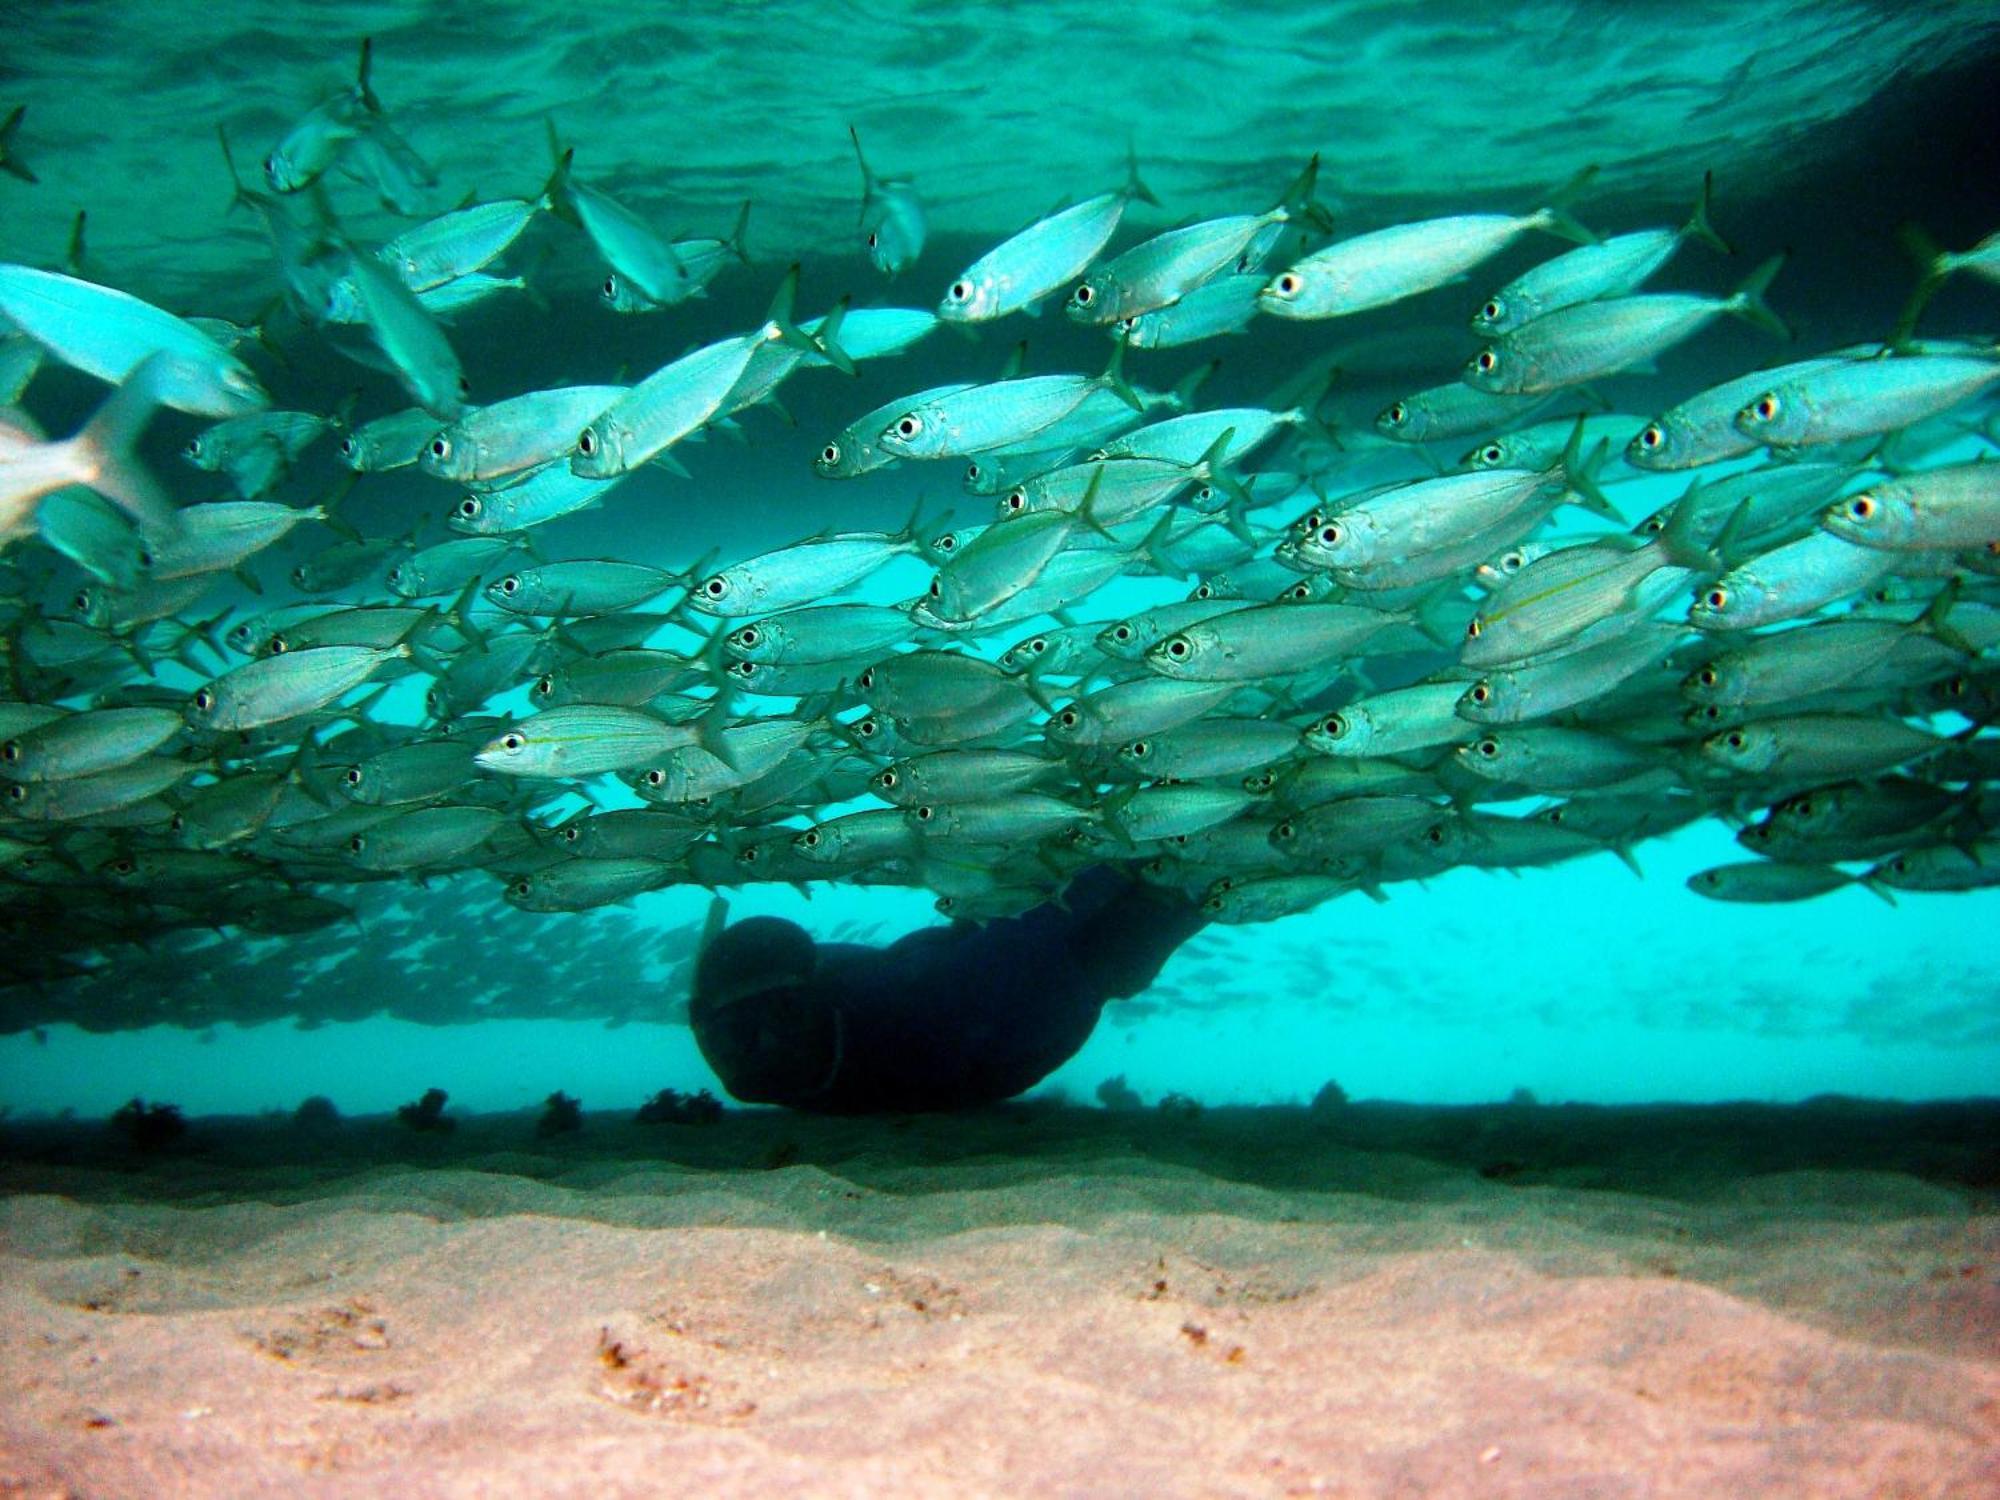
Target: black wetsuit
[944,1018]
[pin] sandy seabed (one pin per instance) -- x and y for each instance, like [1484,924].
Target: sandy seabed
[1376,1300]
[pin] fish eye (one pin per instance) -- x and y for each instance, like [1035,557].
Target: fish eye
[1488,747]
[1285,831]
[1082,295]
[1555,815]
[888,780]
[1139,749]
[299,575]
[1805,807]
[716,587]
[1716,598]
[545,685]
[440,447]
[11,750]
[948,543]
[1126,325]
[866,680]
[571,835]
[1434,835]
[867,727]
[1068,718]
[830,454]
[1708,676]
[908,427]
[1492,453]
[810,838]
[145,558]
[925,813]
[511,743]
[1491,311]
[610,286]
[465,385]
[1766,407]
[960,291]
[1015,501]
[655,777]
[1287,285]
[433,701]
[395,574]
[277,645]
[1121,634]
[521,887]
[1651,436]
[194,448]
[510,585]
[124,865]
[1734,739]
[1480,693]
[177,824]
[17,792]
[874,239]
[353,776]
[1862,507]
[748,636]
[937,588]
[1396,415]
[1204,591]
[1299,593]
[1329,534]
[1178,648]
[744,669]
[1488,361]
[1333,726]
[972,473]
[469,507]
[1474,628]
[356,844]
[81,602]
[204,699]
[586,442]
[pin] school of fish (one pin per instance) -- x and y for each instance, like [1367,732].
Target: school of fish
[1373,656]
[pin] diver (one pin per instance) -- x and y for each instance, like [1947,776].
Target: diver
[943,1018]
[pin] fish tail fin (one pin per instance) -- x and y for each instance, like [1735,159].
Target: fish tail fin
[74,251]
[1876,888]
[1748,303]
[1554,215]
[555,192]
[827,336]
[363,88]
[238,198]
[106,446]
[1086,512]
[1298,201]
[867,177]
[1135,185]
[1184,389]
[738,243]
[1154,546]
[1579,474]
[11,164]
[1698,226]
[1929,257]
[1114,376]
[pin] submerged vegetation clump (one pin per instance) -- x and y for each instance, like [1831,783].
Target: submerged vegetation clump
[427,1113]
[316,1112]
[561,1115]
[149,1127]
[1118,1095]
[672,1107]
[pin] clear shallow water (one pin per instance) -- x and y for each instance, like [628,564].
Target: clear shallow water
[1826,128]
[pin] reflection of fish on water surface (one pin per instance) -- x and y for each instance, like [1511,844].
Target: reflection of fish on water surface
[1263,656]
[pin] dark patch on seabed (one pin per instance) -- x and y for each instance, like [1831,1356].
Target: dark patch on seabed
[1674,1151]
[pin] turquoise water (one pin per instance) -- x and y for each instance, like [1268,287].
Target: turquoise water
[1826,128]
